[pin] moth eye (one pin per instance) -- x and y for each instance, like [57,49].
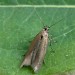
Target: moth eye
[41,36]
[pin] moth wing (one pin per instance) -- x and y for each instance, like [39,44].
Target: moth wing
[39,58]
[28,57]
[27,60]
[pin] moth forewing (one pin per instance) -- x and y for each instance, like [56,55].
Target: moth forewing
[32,51]
[41,52]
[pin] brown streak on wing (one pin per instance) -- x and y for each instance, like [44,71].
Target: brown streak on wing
[28,57]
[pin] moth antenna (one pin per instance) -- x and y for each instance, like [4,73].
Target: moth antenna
[55,23]
[44,23]
[39,17]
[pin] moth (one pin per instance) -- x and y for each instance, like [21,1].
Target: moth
[37,50]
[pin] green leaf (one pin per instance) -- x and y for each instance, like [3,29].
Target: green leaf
[37,2]
[19,25]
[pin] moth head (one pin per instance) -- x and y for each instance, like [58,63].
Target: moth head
[46,28]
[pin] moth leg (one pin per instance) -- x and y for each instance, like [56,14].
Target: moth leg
[51,39]
[50,44]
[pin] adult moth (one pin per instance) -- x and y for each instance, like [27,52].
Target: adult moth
[37,50]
